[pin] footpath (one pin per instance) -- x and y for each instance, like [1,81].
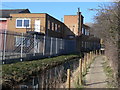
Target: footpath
[96,77]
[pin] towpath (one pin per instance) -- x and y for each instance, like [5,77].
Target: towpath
[96,77]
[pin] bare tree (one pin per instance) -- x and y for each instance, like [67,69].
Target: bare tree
[107,27]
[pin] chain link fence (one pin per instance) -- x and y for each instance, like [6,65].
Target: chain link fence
[16,47]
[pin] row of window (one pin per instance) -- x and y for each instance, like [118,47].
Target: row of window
[22,23]
[25,23]
[53,26]
[85,31]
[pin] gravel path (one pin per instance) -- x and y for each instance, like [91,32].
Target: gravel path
[96,77]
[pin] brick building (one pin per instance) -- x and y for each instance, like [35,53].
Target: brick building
[5,15]
[80,32]
[74,23]
[36,23]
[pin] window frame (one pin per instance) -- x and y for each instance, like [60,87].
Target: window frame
[23,22]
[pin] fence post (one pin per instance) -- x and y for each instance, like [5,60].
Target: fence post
[61,47]
[68,78]
[92,55]
[100,52]
[55,79]
[44,46]
[51,46]
[95,52]
[56,46]
[90,58]
[21,47]
[38,43]
[80,70]
[34,44]
[87,59]
[85,67]
[4,47]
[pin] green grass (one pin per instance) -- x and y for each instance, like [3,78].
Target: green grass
[19,72]
[109,73]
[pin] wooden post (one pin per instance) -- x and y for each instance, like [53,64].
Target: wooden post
[68,78]
[87,59]
[82,64]
[85,64]
[90,56]
[100,52]
[96,52]
[93,54]
[80,71]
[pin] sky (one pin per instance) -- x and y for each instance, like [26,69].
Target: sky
[57,9]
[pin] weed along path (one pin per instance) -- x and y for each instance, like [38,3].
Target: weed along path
[96,77]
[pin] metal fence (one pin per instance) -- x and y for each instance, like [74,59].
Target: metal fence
[24,46]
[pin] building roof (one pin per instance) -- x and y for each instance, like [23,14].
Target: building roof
[86,26]
[5,13]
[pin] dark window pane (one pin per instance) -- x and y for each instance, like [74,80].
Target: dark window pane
[19,23]
[26,23]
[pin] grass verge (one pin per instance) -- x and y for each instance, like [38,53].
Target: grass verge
[19,72]
[109,73]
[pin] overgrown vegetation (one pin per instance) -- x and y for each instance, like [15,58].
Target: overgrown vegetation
[21,71]
[107,27]
[109,73]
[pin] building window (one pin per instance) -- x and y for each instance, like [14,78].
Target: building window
[56,28]
[19,23]
[87,32]
[59,28]
[48,24]
[52,26]
[82,30]
[22,23]
[26,23]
